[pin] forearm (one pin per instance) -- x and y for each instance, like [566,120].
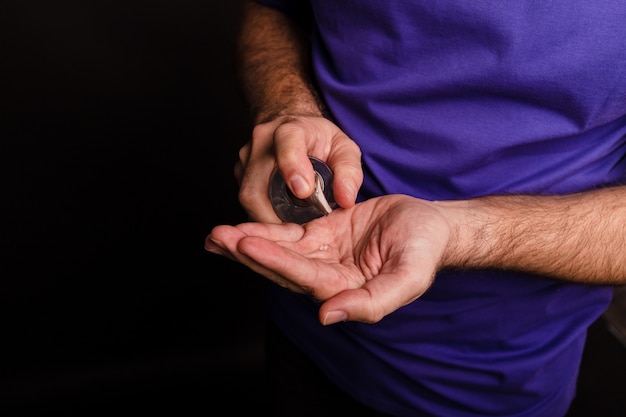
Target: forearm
[274,65]
[578,237]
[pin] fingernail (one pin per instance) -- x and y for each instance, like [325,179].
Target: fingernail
[217,242]
[215,251]
[214,246]
[299,186]
[333,317]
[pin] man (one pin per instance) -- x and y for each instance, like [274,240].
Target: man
[478,151]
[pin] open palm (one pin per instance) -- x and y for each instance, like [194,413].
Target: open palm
[362,263]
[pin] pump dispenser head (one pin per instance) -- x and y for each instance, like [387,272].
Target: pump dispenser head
[291,209]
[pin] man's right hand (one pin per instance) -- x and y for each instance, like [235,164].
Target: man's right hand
[286,142]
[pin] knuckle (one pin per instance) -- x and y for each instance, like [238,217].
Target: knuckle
[246,198]
[244,152]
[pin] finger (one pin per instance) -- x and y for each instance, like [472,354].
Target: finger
[289,232]
[238,171]
[345,161]
[214,247]
[224,240]
[304,257]
[257,163]
[310,275]
[242,162]
[269,274]
[254,188]
[292,156]
[227,238]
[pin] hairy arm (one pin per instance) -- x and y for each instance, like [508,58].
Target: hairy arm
[274,71]
[273,63]
[578,237]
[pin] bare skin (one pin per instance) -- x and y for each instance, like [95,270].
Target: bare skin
[287,142]
[364,261]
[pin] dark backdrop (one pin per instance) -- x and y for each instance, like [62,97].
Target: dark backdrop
[120,122]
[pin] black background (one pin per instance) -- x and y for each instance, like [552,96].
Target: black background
[120,123]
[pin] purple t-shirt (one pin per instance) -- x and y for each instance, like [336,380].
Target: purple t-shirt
[451,100]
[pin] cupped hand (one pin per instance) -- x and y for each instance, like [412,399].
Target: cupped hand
[361,263]
[286,143]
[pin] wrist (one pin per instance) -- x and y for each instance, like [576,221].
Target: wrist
[302,103]
[470,241]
